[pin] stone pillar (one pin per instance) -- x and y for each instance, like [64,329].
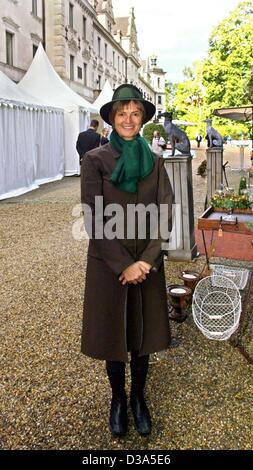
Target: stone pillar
[182,245]
[214,157]
[55,35]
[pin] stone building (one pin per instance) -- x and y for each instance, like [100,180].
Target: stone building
[85,43]
[21,30]
[154,76]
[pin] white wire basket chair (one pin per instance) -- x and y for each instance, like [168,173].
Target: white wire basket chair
[216,307]
[238,275]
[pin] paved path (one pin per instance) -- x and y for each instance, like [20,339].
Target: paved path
[51,396]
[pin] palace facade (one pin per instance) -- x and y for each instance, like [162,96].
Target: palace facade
[85,43]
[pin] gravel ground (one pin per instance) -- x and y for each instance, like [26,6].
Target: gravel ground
[53,397]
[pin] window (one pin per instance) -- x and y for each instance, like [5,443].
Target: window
[118,62]
[71,73]
[9,48]
[99,46]
[71,15]
[85,74]
[113,59]
[84,27]
[34,49]
[34,7]
[158,82]
[159,99]
[99,82]
[153,61]
[79,72]
[105,52]
[122,66]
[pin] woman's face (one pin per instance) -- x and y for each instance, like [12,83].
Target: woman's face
[128,120]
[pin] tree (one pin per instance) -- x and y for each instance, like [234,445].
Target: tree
[227,73]
[188,72]
[170,89]
[223,79]
[189,101]
[249,90]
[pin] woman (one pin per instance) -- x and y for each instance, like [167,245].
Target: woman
[125,304]
[158,143]
[104,136]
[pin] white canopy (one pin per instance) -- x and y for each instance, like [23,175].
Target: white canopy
[10,92]
[104,97]
[31,141]
[42,81]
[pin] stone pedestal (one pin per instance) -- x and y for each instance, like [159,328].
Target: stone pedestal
[214,157]
[182,244]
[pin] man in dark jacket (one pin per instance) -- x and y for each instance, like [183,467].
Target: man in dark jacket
[88,140]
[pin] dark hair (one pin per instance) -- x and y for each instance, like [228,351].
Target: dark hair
[94,123]
[120,104]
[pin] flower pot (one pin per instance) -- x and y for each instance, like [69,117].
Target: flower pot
[190,278]
[234,211]
[179,297]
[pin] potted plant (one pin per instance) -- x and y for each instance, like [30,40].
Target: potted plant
[242,185]
[231,203]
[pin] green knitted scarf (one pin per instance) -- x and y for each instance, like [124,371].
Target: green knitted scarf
[135,162]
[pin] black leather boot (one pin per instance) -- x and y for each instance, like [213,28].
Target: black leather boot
[118,412]
[139,370]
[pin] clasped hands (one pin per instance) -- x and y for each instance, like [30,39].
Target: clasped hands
[136,272]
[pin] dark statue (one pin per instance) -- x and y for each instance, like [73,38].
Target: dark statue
[213,137]
[178,138]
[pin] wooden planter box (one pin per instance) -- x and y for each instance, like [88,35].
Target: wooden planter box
[235,211]
[214,219]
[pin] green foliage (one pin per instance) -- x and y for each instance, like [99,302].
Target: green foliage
[249,90]
[189,101]
[242,185]
[223,79]
[149,129]
[170,89]
[188,72]
[231,202]
[228,68]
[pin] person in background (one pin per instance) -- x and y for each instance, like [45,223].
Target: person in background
[125,301]
[229,139]
[198,139]
[104,136]
[158,143]
[88,140]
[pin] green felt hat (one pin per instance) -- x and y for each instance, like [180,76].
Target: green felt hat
[127,92]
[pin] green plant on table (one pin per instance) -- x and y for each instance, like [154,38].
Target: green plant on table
[231,202]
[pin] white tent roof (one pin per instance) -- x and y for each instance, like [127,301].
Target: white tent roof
[9,92]
[42,81]
[104,97]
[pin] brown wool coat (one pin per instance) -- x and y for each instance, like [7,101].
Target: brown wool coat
[121,318]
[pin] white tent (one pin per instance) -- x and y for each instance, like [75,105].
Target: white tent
[104,97]
[31,141]
[45,84]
